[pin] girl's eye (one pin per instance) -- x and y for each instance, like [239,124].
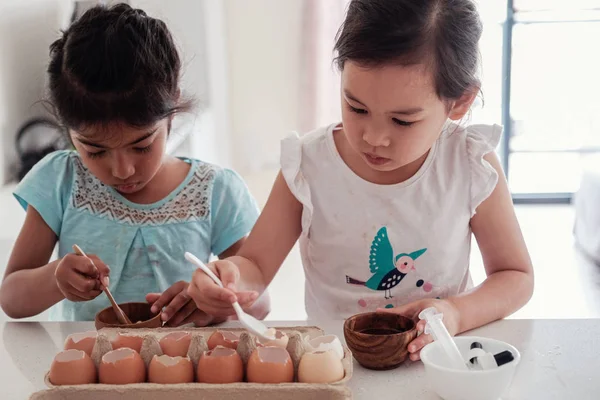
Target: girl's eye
[402,123]
[143,149]
[357,110]
[96,154]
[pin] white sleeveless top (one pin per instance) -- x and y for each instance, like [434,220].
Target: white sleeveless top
[365,245]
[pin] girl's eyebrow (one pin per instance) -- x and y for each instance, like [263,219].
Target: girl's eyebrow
[410,111]
[138,140]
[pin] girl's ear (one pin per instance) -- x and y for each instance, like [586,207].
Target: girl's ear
[462,106]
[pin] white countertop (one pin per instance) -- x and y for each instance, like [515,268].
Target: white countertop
[560,360]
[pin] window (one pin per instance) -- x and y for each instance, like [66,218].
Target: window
[550,96]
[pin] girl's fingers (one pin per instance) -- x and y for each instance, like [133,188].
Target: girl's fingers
[421,341]
[152,297]
[85,267]
[421,326]
[178,302]
[76,295]
[164,299]
[246,299]
[228,272]
[212,292]
[199,318]
[415,356]
[81,283]
[177,319]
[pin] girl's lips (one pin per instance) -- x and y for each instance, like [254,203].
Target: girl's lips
[129,188]
[374,160]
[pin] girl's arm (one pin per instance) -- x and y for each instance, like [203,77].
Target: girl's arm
[271,239]
[32,285]
[259,258]
[510,281]
[29,286]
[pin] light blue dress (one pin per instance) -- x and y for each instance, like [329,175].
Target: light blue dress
[143,244]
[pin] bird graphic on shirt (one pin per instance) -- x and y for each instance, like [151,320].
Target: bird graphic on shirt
[388,270]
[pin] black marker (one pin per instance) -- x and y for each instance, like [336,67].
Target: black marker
[476,351]
[489,361]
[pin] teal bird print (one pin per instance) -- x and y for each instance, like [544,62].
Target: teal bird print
[388,270]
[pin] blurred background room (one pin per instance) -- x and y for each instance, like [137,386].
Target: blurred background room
[261,69]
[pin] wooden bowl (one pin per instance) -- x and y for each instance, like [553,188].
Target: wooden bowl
[135,311]
[379,341]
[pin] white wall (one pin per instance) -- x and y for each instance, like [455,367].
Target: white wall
[26,30]
[264,44]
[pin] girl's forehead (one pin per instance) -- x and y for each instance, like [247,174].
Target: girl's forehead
[390,85]
[114,135]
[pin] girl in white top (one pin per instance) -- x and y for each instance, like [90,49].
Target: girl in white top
[384,203]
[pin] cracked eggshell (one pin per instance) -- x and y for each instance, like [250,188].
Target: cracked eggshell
[169,370]
[84,341]
[221,365]
[281,340]
[176,344]
[122,366]
[270,365]
[223,338]
[324,343]
[320,367]
[131,341]
[72,367]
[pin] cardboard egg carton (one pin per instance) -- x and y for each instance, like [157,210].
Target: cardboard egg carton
[203,391]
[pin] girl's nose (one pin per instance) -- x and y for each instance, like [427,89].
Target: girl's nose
[376,138]
[122,168]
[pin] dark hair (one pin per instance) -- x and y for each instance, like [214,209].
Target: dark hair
[114,65]
[443,34]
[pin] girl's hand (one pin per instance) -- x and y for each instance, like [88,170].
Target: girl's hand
[177,306]
[214,300]
[78,279]
[412,310]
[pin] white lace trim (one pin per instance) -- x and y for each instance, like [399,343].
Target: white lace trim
[192,203]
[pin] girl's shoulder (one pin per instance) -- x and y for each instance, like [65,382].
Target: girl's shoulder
[48,186]
[60,160]
[57,168]
[473,138]
[316,146]
[310,141]
[213,176]
[232,208]
[461,155]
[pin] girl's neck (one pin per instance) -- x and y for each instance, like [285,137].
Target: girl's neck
[361,169]
[170,175]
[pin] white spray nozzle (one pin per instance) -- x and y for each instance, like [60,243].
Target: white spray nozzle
[436,328]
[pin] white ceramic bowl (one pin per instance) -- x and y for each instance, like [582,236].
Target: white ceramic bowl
[453,384]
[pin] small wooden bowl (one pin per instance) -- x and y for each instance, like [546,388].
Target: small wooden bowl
[135,311]
[379,341]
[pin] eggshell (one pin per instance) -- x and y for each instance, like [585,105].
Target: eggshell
[130,341]
[320,367]
[281,340]
[327,342]
[72,367]
[223,338]
[221,365]
[166,369]
[270,365]
[82,341]
[121,367]
[176,344]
